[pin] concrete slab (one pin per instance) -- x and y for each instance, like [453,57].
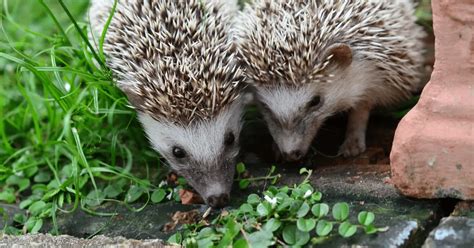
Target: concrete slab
[49,241]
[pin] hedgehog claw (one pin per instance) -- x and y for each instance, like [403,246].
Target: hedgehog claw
[352,146]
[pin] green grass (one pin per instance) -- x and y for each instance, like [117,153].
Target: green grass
[68,139]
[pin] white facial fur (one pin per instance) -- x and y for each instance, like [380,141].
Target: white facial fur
[293,124]
[209,164]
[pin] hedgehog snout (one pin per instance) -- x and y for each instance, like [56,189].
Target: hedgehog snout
[218,201]
[294,155]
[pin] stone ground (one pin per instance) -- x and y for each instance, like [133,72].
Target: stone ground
[361,181]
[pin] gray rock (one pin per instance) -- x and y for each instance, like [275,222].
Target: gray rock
[49,241]
[145,224]
[452,232]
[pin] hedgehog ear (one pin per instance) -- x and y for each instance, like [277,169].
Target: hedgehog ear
[341,55]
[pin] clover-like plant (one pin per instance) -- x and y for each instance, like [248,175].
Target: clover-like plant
[283,216]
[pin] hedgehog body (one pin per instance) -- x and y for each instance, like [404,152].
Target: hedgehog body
[308,60]
[175,61]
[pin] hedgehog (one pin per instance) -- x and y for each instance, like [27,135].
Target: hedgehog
[176,63]
[306,60]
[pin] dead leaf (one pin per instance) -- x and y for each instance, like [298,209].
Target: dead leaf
[180,218]
[189,197]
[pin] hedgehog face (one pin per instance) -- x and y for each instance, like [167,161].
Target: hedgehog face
[293,115]
[204,152]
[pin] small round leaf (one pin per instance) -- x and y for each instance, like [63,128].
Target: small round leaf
[346,229]
[306,225]
[36,208]
[272,225]
[158,195]
[246,208]
[263,209]
[253,199]
[340,211]
[316,196]
[244,183]
[320,210]
[240,168]
[134,193]
[303,210]
[293,236]
[366,218]
[323,228]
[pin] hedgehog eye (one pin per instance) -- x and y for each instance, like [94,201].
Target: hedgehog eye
[229,139]
[178,152]
[316,101]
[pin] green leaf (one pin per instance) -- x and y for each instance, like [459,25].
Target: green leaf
[323,228]
[51,193]
[293,236]
[113,190]
[23,184]
[272,225]
[370,229]
[303,170]
[366,218]
[264,208]
[246,208]
[94,198]
[244,183]
[26,203]
[8,195]
[253,199]
[134,193]
[232,228]
[206,232]
[340,211]
[176,238]
[42,177]
[158,195]
[303,210]
[306,225]
[37,226]
[284,205]
[320,209]
[346,229]
[13,180]
[284,190]
[61,200]
[20,218]
[37,208]
[241,243]
[262,238]
[240,168]
[205,242]
[30,223]
[316,196]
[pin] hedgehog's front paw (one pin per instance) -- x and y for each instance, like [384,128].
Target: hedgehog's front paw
[353,145]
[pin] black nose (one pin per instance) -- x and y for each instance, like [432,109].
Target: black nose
[294,155]
[218,201]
